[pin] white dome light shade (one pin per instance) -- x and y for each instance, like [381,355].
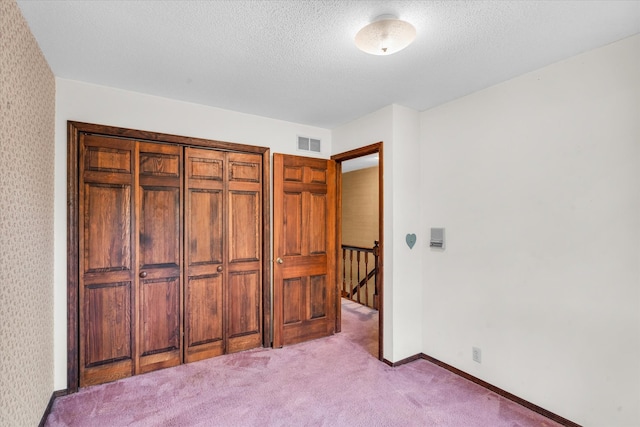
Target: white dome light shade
[385,35]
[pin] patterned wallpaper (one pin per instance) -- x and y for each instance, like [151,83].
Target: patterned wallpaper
[27,122]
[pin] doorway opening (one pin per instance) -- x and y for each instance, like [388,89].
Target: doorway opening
[359,237]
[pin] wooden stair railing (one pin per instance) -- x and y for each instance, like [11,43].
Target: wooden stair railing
[356,279]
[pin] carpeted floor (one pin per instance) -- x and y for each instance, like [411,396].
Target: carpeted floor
[333,381]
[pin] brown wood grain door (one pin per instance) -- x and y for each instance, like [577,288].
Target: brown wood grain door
[223,237]
[159,226]
[304,221]
[168,244]
[244,251]
[107,259]
[204,242]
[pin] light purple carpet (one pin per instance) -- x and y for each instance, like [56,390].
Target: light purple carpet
[333,381]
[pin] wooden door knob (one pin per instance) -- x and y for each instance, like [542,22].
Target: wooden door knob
[143,274]
[219,269]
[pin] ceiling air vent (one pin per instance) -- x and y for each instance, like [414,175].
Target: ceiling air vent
[308,144]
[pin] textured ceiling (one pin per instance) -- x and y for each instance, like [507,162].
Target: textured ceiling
[296,60]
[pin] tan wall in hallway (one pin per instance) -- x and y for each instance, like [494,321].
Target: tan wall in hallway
[360,207]
[360,218]
[27,105]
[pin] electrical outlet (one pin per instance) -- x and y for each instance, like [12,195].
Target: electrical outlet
[476,354]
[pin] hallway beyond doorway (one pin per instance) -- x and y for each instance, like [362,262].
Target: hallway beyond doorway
[361,325]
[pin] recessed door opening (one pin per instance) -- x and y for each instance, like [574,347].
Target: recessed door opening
[359,241]
[166,237]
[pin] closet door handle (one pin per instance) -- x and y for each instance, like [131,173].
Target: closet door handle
[143,274]
[279,261]
[219,269]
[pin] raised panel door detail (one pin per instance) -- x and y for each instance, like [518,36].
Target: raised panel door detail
[318,227]
[244,303]
[204,316]
[160,315]
[205,226]
[317,296]
[292,227]
[293,305]
[160,227]
[205,168]
[103,159]
[242,171]
[293,173]
[107,228]
[108,323]
[318,176]
[244,223]
[158,164]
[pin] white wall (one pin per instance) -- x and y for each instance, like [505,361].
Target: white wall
[89,103]
[405,200]
[367,130]
[537,181]
[397,127]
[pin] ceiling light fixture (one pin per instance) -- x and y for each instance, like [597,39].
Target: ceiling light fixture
[385,35]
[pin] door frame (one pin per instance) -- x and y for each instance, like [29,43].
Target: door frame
[74,129]
[339,158]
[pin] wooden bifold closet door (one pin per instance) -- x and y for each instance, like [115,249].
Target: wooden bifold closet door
[222,311]
[169,251]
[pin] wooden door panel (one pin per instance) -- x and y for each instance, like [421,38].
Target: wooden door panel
[160,315]
[107,259]
[203,166]
[205,227]
[204,318]
[304,246]
[224,241]
[244,226]
[293,296]
[159,204]
[292,227]
[111,371]
[99,158]
[204,243]
[243,311]
[204,212]
[160,320]
[305,304]
[107,217]
[243,240]
[305,331]
[318,175]
[317,296]
[159,164]
[292,172]
[170,247]
[159,227]
[244,300]
[318,224]
[108,330]
[245,168]
[243,235]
